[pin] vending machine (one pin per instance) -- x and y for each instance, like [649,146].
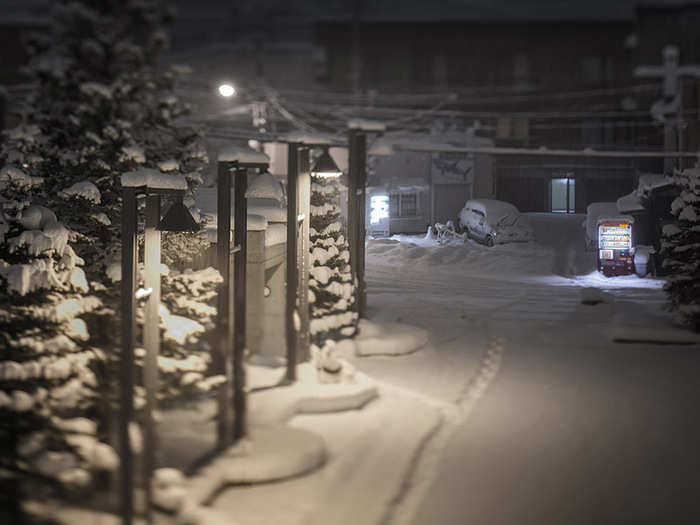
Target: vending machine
[615,250]
[378,214]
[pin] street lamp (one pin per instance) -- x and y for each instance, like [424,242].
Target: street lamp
[325,166]
[153,185]
[233,161]
[227,90]
[358,130]
[298,259]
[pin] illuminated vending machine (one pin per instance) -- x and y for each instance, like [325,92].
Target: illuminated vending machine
[379,214]
[615,251]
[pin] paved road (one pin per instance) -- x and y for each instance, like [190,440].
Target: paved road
[573,429]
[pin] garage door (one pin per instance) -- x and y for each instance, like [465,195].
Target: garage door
[448,201]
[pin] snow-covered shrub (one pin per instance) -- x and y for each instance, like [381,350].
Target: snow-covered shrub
[332,293]
[680,250]
[188,316]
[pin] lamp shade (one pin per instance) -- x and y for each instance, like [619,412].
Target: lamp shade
[325,166]
[178,219]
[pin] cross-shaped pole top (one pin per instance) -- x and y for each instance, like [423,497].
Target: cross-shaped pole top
[670,71]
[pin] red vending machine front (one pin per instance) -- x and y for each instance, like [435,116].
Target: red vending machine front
[615,252]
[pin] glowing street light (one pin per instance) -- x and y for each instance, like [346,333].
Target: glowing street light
[325,166]
[227,90]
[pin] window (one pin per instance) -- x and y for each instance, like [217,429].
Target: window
[563,195]
[409,205]
[403,205]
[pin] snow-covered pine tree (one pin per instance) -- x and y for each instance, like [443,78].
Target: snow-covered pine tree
[680,248]
[104,107]
[47,366]
[332,298]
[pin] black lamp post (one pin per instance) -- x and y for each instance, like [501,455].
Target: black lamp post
[231,317]
[153,186]
[357,182]
[298,212]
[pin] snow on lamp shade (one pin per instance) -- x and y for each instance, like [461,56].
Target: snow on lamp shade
[227,90]
[325,166]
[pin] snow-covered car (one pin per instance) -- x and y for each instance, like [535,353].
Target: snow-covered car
[494,222]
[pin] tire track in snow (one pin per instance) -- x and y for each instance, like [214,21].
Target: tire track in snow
[426,461]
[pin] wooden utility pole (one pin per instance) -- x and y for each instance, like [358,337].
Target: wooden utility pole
[670,109]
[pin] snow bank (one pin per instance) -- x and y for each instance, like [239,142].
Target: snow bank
[270,453]
[388,338]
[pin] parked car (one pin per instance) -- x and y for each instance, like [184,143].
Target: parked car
[494,222]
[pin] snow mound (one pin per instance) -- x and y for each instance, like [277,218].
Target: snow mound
[270,453]
[388,338]
[306,395]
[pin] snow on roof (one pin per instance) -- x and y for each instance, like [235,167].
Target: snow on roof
[303,137]
[265,186]
[153,179]
[617,217]
[242,155]
[594,211]
[651,181]
[629,203]
[366,125]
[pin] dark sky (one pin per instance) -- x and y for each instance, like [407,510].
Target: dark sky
[390,9]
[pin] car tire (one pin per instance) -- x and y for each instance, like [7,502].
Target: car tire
[489,241]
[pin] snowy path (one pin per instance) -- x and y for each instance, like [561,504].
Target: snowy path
[573,428]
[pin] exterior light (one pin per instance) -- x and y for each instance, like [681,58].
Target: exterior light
[178,219]
[379,208]
[325,166]
[227,90]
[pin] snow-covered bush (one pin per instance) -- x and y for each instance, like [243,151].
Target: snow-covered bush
[332,293]
[188,316]
[680,250]
[47,365]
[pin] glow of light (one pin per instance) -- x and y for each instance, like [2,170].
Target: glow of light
[379,208]
[327,174]
[227,90]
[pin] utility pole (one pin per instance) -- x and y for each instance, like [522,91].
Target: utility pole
[670,108]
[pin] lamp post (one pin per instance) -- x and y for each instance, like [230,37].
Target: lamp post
[357,182]
[231,316]
[153,185]
[298,212]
